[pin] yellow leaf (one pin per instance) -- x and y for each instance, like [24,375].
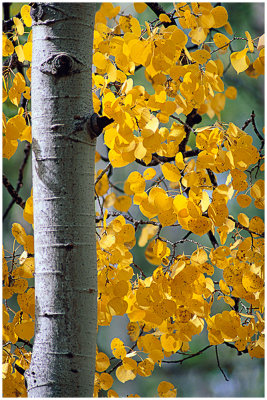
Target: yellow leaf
[26,270]
[9,147]
[133,330]
[170,342]
[261,43]
[140,7]
[102,362]
[96,103]
[124,374]
[102,185]
[4,95]
[218,212]
[224,288]
[164,18]
[130,24]
[25,14]
[179,160]
[109,10]
[147,233]
[7,292]
[19,233]
[167,217]
[256,224]
[200,56]
[7,46]
[25,330]
[100,61]
[14,96]
[109,200]
[257,190]
[26,301]
[107,241]
[27,50]
[149,173]
[117,348]
[135,182]
[14,127]
[123,203]
[120,289]
[250,43]
[229,301]
[164,308]
[26,134]
[239,60]
[221,41]
[20,286]
[19,25]
[220,16]
[171,172]
[252,282]
[179,203]
[199,256]
[200,225]
[145,367]
[20,53]
[106,381]
[243,200]
[198,35]
[243,220]
[112,393]
[19,82]
[28,210]
[28,73]
[231,92]
[166,389]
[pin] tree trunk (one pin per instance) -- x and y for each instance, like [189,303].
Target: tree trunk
[63,361]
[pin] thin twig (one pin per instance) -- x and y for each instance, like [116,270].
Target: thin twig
[13,192]
[256,130]
[139,269]
[187,358]
[238,225]
[218,363]
[27,151]
[103,173]
[213,240]
[131,349]
[246,124]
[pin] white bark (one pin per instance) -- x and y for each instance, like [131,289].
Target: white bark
[63,361]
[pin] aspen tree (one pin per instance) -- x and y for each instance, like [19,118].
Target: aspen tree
[63,358]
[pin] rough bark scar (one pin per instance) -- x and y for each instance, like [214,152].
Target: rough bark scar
[37,11]
[69,246]
[61,64]
[94,124]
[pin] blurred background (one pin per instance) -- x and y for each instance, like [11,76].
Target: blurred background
[199,376]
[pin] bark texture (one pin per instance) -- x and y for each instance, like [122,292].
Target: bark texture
[63,361]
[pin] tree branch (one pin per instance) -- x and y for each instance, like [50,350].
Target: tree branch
[253,116]
[157,9]
[187,358]
[13,192]
[27,151]
[213,240]
[218,363]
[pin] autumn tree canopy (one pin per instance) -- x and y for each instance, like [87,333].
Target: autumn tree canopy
[183,178]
